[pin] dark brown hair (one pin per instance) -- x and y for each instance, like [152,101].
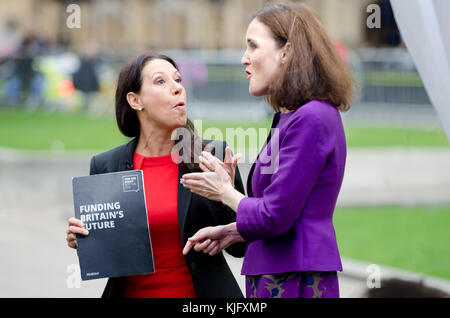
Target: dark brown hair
[314,68]
[130,80]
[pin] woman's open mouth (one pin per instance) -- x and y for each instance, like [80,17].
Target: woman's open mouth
[180,105]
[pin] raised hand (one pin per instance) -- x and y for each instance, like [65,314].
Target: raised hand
[208,162]
[215,183]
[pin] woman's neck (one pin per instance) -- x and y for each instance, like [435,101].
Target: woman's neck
[285,110]
[154,143]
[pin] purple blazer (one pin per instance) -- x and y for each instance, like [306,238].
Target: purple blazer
[288,215]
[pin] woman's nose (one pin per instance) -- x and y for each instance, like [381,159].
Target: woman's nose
[177,88]
[245,60]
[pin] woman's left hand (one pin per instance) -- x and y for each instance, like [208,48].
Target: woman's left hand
[213,239]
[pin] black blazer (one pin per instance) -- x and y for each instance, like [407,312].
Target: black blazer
[211,276]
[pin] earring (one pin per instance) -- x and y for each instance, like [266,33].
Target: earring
[140,108]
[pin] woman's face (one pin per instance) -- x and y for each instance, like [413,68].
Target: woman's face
[162,96]
[262,58]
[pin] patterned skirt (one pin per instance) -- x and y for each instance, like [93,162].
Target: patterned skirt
[293,285]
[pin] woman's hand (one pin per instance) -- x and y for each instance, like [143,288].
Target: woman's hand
[212,240]
[210,184]
[75,227]
[208,161]
[215,185]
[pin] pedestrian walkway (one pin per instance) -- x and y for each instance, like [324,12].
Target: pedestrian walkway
[36,201]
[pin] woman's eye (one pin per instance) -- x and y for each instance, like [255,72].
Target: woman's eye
[160,81]
[178,80]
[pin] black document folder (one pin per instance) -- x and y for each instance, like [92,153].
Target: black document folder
[113,209]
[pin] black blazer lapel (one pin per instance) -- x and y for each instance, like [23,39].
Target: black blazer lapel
[127,155]
[249,179]
[184,200]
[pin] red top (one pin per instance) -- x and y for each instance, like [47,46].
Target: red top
[171,277]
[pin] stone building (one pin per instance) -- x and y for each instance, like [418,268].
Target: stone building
[169,24]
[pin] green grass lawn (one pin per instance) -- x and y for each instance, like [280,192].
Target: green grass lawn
[45,131]
[415,239]
[359,136]
[41,131]
[388,137]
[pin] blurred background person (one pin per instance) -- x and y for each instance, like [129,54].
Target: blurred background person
[86,78]
[10,38]
[25,86]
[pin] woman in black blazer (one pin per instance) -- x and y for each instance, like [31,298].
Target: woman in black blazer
[150,105]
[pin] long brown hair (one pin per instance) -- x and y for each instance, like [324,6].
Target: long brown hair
[130,80]
[314,69]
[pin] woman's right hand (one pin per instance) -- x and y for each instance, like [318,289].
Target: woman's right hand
[75,227]
[213,239]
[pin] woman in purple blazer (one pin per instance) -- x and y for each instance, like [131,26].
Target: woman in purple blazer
[293,186]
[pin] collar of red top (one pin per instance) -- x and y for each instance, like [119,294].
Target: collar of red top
[154,161]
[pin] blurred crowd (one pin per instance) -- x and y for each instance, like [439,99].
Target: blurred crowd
[35,73]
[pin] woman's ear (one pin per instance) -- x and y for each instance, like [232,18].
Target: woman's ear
[134,101]
[285,52]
